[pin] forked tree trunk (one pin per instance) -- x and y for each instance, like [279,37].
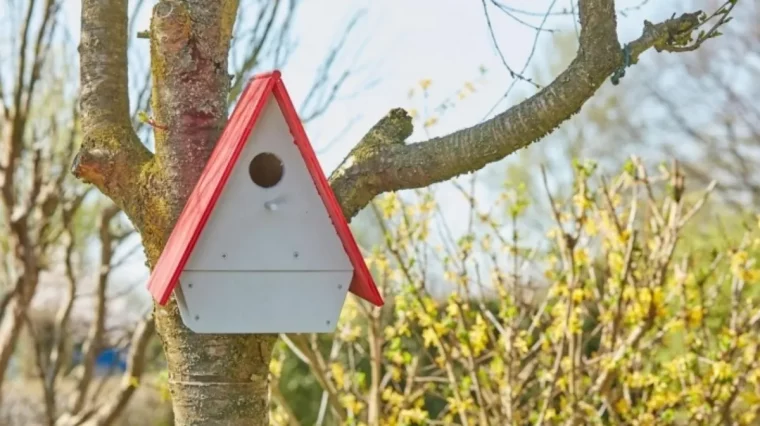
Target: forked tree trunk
[222,379]
[214,379]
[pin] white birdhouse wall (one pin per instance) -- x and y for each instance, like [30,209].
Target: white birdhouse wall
[262,302]
[280,227]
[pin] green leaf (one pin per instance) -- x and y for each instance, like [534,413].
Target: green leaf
[143,116]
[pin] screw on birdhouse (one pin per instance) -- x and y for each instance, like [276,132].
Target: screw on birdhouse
[295,254]
[224,255]
[274,204]
[190,285]
[328,322]
[340,286]
[197,317]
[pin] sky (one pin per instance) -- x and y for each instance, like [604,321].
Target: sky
[404,42]
[445,41]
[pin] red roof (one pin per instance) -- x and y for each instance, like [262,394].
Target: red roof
[201,202]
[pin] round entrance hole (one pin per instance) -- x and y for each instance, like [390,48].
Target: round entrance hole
[266,170]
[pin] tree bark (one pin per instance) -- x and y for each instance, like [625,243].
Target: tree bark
[222,379]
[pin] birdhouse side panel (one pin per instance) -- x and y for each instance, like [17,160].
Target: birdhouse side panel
[276,223]
[262,302]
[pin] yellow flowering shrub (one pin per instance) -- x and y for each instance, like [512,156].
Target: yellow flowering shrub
[608,320]
[613,324]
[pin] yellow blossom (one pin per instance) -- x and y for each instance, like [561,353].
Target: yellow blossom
[578,295]
[429,337]
[430,122]
[338,374]
[622,406]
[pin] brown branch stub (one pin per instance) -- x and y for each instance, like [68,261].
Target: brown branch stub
[90,166]
[366,173]
[112,159]
[392,129]
[170,26]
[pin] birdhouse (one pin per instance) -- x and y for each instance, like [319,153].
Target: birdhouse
[262,245]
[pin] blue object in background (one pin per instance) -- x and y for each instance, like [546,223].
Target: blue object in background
[108,361]
[111,359]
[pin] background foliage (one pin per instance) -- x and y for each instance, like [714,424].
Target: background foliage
[625,325]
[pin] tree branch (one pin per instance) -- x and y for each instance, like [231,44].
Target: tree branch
[111,156]
[107,413]
[319,368]
[372,168]
[259,42]
[94,343]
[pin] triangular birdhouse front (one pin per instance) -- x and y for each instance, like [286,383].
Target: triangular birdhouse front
[262,245]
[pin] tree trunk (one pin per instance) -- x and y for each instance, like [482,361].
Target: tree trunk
[222,379]
[211,377]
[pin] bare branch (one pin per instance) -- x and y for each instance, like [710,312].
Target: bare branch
[321,94]
[252,59]
[47,28]
[283,403]
[111,157]
[27,210]
[138,5]
[371,169]
[61,325]
[12,150]
[518,77]
[40,364]
[318,367]
[512,73]
[94,342]
[109,411]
